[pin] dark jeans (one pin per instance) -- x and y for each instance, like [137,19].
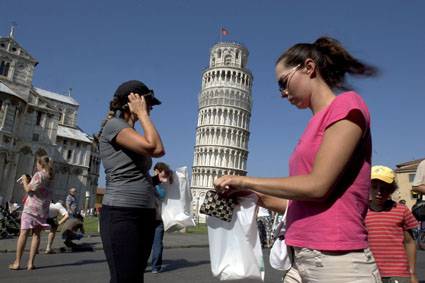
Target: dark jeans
[127,236]
[158,246]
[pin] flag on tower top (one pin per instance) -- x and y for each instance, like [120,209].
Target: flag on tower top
[224,31]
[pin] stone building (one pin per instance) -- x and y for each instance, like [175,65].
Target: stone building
[405,173]
[34,122]
[224,114]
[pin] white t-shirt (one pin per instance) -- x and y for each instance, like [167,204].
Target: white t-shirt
[420,174]
[55,209]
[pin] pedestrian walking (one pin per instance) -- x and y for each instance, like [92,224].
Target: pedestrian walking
[128,212]
[329,169]
[390,226]
[163,174]
[55,209]
[36,210]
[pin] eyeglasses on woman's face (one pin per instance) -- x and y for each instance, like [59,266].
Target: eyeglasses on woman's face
[283,82]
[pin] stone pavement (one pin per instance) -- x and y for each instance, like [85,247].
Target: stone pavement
[171,240]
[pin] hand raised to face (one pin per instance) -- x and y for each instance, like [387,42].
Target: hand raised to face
[137,104]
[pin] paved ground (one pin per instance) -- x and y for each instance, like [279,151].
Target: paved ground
[171,240]
[181,265]
[186,259]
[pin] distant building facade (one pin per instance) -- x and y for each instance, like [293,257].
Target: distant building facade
[405,174]
[224,115]
[35,122]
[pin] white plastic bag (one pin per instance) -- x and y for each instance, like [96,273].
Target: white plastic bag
[279,256]
[176,206]
[235,248]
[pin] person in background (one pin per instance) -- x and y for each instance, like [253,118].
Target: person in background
[390,230]
[73,229]
[418,184]
[72,202]
[127,223]
[55,209]
[36,210]
[163,174]
[264,224]
[329,169]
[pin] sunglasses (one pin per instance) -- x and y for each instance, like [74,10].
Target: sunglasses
[284,79]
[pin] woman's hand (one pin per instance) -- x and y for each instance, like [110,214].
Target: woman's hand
[137,104]
[25,179]
[229,184]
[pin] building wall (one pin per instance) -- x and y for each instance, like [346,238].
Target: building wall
[29,128]
[405,173]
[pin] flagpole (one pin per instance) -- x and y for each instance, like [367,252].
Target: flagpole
[220,34]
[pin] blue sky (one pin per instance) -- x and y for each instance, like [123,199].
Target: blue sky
[93,46]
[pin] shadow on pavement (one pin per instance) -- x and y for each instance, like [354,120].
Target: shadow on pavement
[169,265]
[85,247]
[81,262]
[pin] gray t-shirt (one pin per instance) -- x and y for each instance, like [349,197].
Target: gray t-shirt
[128,183]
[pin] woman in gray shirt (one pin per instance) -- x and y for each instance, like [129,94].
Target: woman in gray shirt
[128,213]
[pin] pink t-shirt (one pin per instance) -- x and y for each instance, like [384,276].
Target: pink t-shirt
[337,223]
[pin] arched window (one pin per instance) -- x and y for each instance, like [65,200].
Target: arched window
[4,68]
[227,59]
[219,53]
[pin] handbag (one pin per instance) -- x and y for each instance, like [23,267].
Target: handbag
[418,210]
[279,255]
[217,206]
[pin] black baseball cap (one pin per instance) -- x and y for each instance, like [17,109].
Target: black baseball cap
[138,87]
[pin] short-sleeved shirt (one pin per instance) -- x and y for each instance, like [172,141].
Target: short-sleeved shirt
[71,202]
[128,182]
[386,235]
[337,223]
[37,202]
[55,209]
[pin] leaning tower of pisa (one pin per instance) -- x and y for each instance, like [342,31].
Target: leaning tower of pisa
[224,113]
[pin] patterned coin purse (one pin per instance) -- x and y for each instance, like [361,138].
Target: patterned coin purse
[217,206]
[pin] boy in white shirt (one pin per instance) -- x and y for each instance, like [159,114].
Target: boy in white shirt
[55,209]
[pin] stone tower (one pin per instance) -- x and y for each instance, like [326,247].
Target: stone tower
[222,131]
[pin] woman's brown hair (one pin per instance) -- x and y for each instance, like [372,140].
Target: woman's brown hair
[161,167]
[333,61]
[47,165]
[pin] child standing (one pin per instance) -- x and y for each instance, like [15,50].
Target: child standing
[390,230]
[36,210]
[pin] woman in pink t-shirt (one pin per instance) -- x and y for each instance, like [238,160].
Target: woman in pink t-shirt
[329,169]
[36,210]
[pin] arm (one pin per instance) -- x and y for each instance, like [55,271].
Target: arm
[63,219]
[33,185]
[419,189]
[68,203]
[339,143]
[273,203]
[410,247]
[150,143]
